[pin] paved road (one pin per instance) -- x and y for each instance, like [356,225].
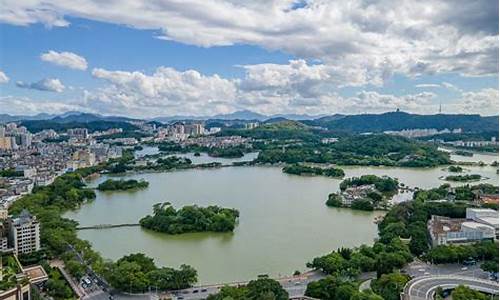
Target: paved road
[423,288]
[418,269]
[294,285]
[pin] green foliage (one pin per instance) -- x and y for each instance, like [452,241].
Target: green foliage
[48,203]
[468,177]
[389,286]
[171,162]
[466,293]
[463,153]
[362,204]
[331,288]
[490,266]
[334,200]
[229,152]
[39,125]
[260,289]
[56,285]
[382,258]
[382,184]
[137,272]
[11,173]
[455,169]
[298,169]
[458,253]
[122,185]
[190,219]
[75,268]
[401,120]
[355,150]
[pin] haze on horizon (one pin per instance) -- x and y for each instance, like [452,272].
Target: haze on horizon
[200,58]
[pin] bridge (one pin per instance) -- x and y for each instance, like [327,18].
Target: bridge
[424,288]
[107,226]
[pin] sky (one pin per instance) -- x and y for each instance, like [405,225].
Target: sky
[155,58]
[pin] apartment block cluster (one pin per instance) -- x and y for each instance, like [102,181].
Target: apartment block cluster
[14,137]
[471,144]
[179,131]
[478,225]
[20,235]
[415,133]
[40,161]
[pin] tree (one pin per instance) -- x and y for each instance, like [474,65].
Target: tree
[490,266]
[466,293]
[389,286]
[334,200]
[266,288]
[75,268]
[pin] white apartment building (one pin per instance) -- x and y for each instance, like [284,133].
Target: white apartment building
[24,233]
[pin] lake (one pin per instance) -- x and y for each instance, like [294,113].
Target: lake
[283,223]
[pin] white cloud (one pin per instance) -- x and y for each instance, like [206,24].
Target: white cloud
[27,106]
[167,91]
[47,84]
[65,59]
[427,85]
[484,102]
[3,77]
[451,87]
[368,40]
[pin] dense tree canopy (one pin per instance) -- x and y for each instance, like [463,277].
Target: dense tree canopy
[260,289]
[299,169]
[122,185]
[191,218]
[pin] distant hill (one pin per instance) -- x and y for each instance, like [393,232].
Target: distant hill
[402,120]
[242,115]
[5,118]
[86,117]
[93,122]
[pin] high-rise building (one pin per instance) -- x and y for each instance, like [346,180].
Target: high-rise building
[7,143]
[25,140]
[78,132]
[24,233]
[194,129]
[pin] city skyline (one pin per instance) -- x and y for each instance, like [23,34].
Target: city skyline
[205,58]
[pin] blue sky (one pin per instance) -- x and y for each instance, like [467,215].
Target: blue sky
[213,62]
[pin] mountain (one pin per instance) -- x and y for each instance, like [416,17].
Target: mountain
[87,117]
[401,120]
[67,117]
[5,118]
[244,115]
[241,115]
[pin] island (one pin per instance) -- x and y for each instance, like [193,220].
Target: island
[367,192]
[455,169]
[299,169]
[464,153]
[122,185]
[229,152]
[462,178]
[191,218]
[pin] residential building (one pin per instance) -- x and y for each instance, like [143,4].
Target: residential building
[24,233]
[6,143]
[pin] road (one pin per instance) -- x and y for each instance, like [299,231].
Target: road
[427,278]
[294,285]
[424,288]
[418,268]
